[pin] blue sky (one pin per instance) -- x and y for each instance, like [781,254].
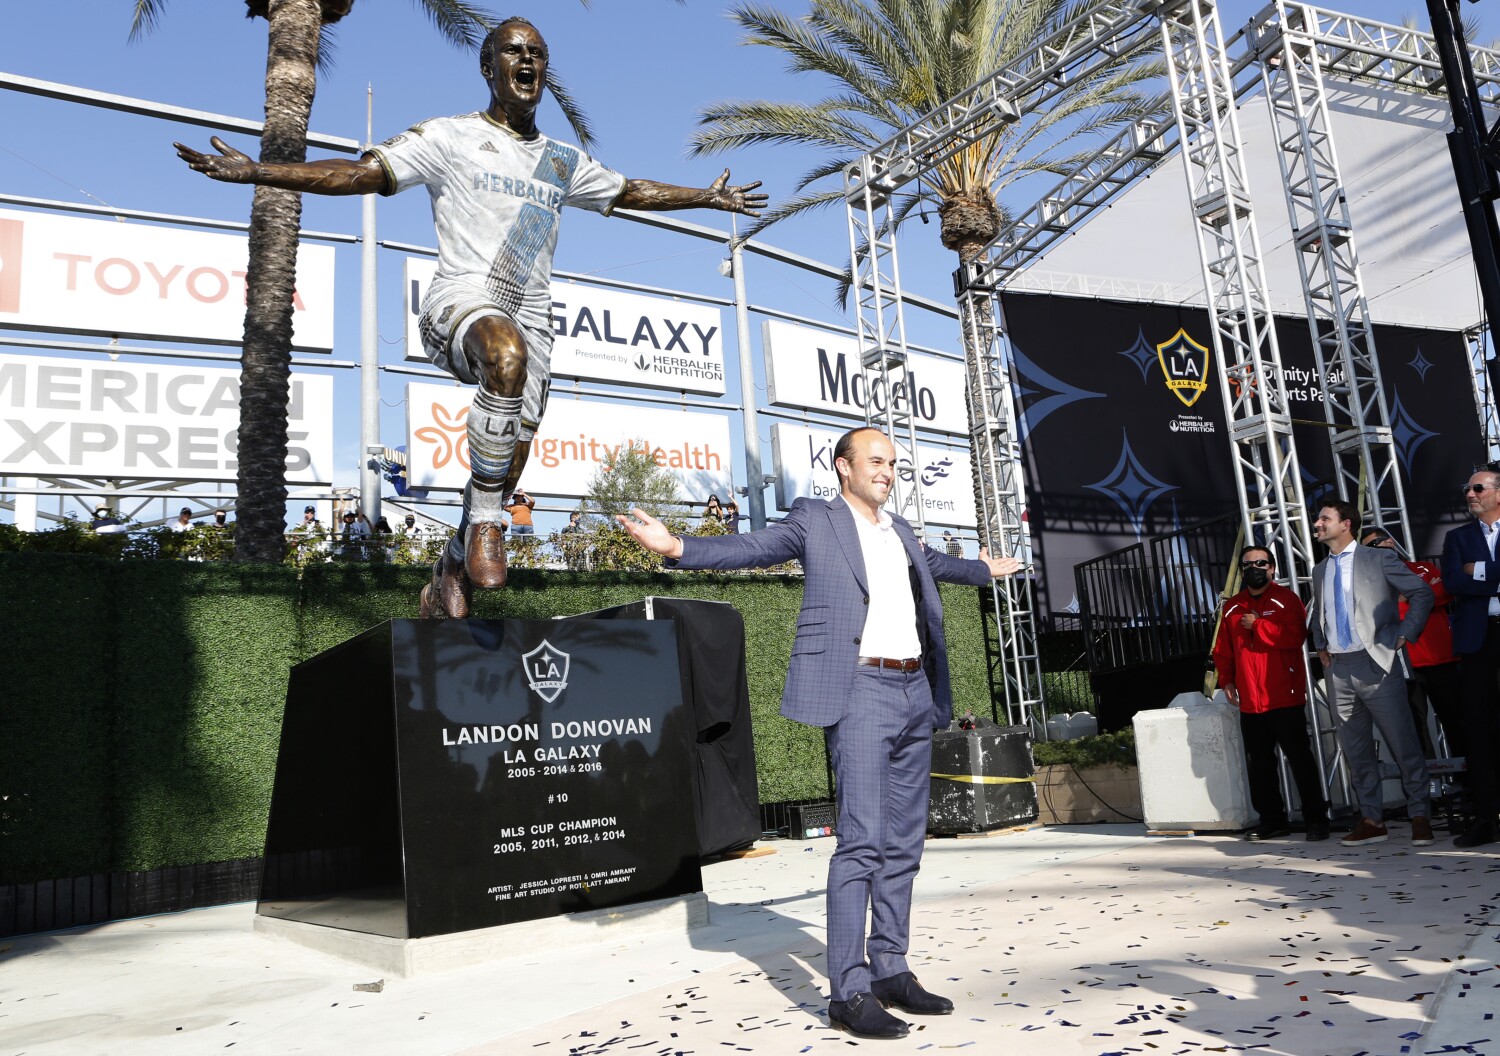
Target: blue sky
[641,68]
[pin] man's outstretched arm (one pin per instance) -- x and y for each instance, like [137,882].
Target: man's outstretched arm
[330,176]
[650,195]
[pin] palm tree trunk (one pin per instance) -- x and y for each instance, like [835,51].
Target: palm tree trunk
[275,218]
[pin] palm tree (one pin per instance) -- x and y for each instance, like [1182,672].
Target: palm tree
[892,61]
[293,49]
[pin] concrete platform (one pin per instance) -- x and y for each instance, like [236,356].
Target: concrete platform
[1090,940]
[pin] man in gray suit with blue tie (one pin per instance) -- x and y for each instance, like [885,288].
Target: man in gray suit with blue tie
[869,664]
[1355,624]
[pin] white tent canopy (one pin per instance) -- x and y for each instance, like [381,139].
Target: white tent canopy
[1413,246]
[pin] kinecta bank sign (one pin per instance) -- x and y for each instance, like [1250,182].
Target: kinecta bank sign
[133,280]
[612,336]
[576,438]
[819,371]
[67,417]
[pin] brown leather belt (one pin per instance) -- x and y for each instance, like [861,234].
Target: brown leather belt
[914,664]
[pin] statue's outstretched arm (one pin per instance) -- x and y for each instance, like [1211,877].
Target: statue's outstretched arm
[330,176]
[650,195]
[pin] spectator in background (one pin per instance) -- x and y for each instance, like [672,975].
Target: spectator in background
[574,546]
[1435,680]
[184,520]
[310,524]
[409,527]
[951,546]
[221,519]
[1259,658]
[713,513]
[382,527]
[732,517]
[520,509]
[105,522]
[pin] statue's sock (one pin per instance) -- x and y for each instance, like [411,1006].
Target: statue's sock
[494,426]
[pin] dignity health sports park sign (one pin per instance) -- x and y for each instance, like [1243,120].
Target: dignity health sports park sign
[81,417]
[575,438]
[610,336]
[803,458]
[79,276]
[818,371]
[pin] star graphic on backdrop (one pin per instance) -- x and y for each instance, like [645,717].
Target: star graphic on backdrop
[1131,485]
[1142,354]
[1408,433]
[1038,394]
[1421,364]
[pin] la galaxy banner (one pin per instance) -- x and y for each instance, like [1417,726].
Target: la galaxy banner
[1123,434]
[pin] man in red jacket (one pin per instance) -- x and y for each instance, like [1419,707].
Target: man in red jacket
[1259,657]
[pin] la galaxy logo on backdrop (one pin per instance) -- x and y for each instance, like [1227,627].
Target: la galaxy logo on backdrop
[1184,363]
[546,670]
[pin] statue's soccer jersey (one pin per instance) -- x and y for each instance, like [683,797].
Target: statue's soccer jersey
[495,202]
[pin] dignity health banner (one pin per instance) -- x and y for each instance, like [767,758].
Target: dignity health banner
[94,418]
[574,439]
[1122,424]
[611,336]
[82,276]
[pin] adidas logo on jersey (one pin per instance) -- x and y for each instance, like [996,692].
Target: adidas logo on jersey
[487,145]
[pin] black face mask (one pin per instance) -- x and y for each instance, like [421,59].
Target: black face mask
[1255,578]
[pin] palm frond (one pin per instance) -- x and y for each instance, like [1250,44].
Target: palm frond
[462,23]
[145,17]
[578,121]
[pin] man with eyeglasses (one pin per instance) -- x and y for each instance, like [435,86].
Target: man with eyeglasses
[1258,656]
[1473,578]
[1360,635]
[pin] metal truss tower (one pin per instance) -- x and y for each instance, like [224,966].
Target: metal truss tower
[1266,467]
[880,327]
[1366,468]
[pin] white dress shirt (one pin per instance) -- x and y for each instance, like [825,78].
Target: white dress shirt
[891,624]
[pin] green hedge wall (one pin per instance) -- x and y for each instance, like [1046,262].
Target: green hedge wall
[145,696]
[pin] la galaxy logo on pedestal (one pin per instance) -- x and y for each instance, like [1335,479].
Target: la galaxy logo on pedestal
[1184,362]
[546,670]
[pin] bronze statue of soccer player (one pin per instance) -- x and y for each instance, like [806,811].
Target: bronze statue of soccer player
[498,186]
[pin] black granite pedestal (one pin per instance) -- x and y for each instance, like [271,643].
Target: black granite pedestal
[442,776]
[981,780]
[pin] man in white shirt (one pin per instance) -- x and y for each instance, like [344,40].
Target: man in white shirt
[498,186]
[870,666]
[184,520]
[1355,624]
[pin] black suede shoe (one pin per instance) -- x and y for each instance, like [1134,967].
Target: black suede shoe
[1268,832]
[1317,831]
[903,991]
[863,1017]
[1476,836]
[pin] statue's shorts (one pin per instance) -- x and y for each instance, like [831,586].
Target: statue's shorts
[447,315]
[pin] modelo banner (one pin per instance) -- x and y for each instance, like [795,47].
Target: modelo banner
[610,336]
[574,439]
[1122,425]
[79,276]
[818,371]
[803,459]
[80,417]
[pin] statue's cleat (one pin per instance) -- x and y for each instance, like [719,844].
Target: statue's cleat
[448,595]
[484,554]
